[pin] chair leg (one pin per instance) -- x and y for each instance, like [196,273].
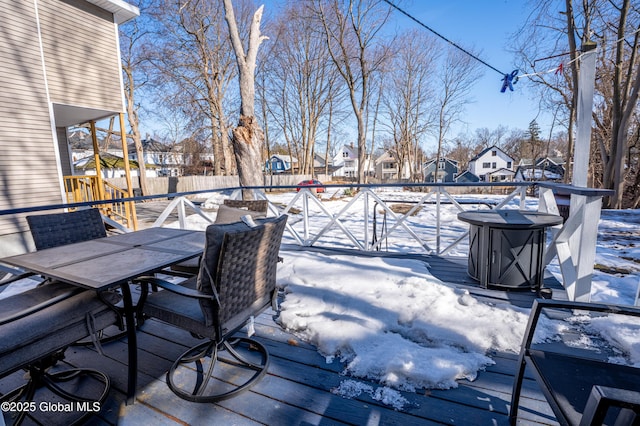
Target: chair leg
[189,379]
[40,377]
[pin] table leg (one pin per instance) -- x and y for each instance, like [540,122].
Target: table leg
[132,347]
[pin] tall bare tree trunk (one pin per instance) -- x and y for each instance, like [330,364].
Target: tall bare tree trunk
[248,138]
[132,117]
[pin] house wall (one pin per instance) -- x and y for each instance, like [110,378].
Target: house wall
[346,161]
[65,151]
[65,53]
[28,165]
[447,174]
[499,161]
[79,41]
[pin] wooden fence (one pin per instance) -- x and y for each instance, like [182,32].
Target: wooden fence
[170,185]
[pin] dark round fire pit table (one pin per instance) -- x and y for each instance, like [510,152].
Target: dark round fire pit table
[506,247]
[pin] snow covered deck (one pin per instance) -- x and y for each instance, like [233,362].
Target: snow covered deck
[298,386]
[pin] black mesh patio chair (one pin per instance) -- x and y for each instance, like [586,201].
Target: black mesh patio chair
[56,229]
[36,326]
[236,281]
[582,387]
[254,205]
[229,212]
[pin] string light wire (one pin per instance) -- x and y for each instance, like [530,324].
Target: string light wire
[443,37]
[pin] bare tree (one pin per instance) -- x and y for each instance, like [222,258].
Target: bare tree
[613,26]
[303,83]
[409,94]
[461,150]
[194,64]
[455,76]
[248,137]
[133,58]
[625,89]
[351,30]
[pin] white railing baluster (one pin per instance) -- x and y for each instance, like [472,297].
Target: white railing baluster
[573,243]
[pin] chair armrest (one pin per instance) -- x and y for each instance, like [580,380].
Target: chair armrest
[540,304]
[534,317]
[174,288]
[35,308]
[602,397]
[8,280]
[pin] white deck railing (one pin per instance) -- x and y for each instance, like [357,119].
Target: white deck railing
[574,242]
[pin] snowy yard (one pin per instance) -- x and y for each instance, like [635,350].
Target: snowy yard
[391,321]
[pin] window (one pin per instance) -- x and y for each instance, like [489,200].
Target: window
[486,165]
[345,154]
[508,164]
[441,165]
[493,165]
[494,153]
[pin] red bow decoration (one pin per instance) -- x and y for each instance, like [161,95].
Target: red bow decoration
[560,69]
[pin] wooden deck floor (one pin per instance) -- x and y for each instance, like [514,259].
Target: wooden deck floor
[297,389]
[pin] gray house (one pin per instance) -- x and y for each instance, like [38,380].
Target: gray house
[59,67]
[446,170]
[467,177]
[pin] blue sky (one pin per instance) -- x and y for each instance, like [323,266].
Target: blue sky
[485,26]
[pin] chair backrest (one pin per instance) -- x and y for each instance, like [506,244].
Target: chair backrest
[56,229]
[241,262]
[254,205]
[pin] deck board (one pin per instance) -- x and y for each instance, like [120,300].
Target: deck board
[298,386]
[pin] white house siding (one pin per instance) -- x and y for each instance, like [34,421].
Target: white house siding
[488,163]
[346,161]
[28,168]
[80,48]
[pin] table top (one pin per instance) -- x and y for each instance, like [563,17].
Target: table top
[510,219]
[104,262]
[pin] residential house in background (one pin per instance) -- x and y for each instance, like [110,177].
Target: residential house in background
[492,165]
[346,162]
[467,177]
[500,175]
[548,168]
[59,67]
[190,158]
[111,166]
[169,161]
[280,163]
[322,164]
[388,167]
[446,170]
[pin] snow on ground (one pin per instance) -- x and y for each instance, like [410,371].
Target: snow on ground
[389,320]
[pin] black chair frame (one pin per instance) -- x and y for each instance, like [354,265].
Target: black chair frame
[54,303]
[243,274]
[579,389]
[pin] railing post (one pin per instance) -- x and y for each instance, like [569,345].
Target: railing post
[438,220]
[367,242]
[583,244]
[182,214]
[305,216]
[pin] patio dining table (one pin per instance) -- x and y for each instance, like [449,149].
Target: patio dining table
[105,263]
